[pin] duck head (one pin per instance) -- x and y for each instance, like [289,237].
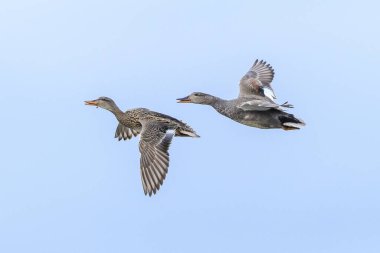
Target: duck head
[102,102]
[197,98]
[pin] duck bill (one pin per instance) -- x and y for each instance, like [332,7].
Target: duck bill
[184,100]
[91,102]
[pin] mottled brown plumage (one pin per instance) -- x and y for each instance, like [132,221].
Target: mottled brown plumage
[157,131]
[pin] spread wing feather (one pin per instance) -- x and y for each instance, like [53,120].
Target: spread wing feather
[125,133]
[154,162]
[257,81]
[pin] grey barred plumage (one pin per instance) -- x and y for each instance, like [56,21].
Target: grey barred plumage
[157,131]
[255,104]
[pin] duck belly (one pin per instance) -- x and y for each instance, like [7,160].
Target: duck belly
[264,119]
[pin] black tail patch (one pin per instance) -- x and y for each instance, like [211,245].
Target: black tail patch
[289,122]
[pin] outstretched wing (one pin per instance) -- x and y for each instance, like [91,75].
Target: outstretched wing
[257,81]
[154,162]
[125,133]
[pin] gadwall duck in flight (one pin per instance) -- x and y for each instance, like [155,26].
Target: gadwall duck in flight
[157,131]
[255,104]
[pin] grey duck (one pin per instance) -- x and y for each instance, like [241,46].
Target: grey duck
[255,104]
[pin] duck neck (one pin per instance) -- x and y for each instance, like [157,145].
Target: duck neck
[116,111]
[217,103]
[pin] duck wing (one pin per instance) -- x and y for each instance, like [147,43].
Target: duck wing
[262,105]
[257,81]
[154,162]
[125,133]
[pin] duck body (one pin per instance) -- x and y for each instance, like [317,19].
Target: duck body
[272,118]
[133,119]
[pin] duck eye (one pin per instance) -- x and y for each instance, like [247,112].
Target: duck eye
[197,94]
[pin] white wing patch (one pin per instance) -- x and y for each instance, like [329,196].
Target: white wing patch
[269,94]
[170,131]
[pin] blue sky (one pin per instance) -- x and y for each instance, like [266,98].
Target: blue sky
[67,186]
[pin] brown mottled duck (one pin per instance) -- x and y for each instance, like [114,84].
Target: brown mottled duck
[255,104]
[157,131]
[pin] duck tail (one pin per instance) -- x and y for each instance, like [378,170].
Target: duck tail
[289,122]
[180,132]
[185,130]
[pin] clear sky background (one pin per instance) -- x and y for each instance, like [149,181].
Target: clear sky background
[66,185]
